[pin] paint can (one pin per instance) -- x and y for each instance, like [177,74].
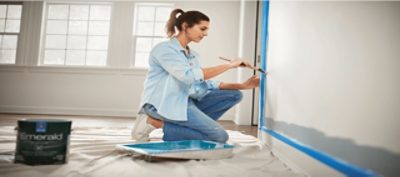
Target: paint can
[42,142]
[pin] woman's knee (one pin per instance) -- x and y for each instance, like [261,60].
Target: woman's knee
[237,95]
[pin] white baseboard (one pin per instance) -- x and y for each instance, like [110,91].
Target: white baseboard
[297,160]
[227,117]
[68,111]
[78,111]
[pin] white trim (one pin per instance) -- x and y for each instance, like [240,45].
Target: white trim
[67,111]
[74,70]
[227,117]
[76,111]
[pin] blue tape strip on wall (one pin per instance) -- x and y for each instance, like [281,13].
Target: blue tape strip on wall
[339,165]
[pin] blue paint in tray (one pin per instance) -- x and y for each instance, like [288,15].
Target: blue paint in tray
[187,149]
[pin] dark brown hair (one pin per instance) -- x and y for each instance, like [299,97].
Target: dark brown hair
[190,17]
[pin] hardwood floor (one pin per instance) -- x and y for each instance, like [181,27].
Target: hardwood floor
[11,119]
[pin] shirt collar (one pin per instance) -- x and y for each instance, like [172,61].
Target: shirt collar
[177,46]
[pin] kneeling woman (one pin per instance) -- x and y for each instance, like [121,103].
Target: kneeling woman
[178,95]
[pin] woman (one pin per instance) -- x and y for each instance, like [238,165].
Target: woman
[178,95]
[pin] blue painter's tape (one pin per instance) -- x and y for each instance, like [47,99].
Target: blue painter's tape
[339,165]
[263,64]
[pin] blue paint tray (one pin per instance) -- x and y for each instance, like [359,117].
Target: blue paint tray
[188,149]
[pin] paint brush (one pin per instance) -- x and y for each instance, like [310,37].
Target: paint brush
[245,65]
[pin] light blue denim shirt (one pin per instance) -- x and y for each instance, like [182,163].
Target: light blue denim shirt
[172,78]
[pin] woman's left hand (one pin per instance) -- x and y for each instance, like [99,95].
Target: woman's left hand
[252,82]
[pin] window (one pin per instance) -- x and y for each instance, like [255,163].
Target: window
[76,34]
[10,22]
[150,20]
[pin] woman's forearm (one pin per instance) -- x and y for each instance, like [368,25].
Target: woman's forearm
[216,70]
[230,86]
[250,83]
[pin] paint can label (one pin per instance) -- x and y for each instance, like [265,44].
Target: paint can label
[42,142]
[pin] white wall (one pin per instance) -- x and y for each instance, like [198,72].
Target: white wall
[334,73]
[106,92]
[113,91]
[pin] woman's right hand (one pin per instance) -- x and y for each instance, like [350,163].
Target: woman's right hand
[238,63]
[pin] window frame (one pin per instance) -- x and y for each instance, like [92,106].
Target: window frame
[135,26]
[13,33]
[44,35]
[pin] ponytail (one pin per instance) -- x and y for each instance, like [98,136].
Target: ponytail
[190,18]
[171,23]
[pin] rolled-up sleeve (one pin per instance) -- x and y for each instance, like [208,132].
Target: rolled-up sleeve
[213,85]
[198,74]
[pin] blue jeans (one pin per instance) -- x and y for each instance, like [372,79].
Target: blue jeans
[202,117]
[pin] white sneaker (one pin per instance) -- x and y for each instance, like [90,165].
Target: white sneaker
[141,130]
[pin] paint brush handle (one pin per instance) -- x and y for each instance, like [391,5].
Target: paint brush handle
[223,58]
[226,59]
[243,64]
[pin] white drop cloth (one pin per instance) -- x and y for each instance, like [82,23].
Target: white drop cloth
[92,154]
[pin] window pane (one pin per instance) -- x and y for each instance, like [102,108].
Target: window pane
[159,29]
[98,42]
[56,27]
[9,42]
[145,13]
[143,44]
[3,10]
[2,25]
[12,25]
[144,28]
[141,60]
[75,57]
[54,57]
[7,56]
[10,16]
[76,42]
[77,27]
[58,12]
[55,41]
[162,13]
[99,28]
[96,58]
[79,12]
[99,12]
[14,11]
